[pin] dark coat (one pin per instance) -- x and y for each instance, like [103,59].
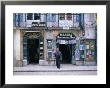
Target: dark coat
[58,56]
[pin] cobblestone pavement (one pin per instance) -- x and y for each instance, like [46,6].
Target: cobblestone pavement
[67,69]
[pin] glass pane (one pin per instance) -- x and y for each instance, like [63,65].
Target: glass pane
[29,16]
[49,44]
[21,17]
[48,17]
[53,17]
[77,18]
[49,54]
[36,16]
[62,16]
[69,16]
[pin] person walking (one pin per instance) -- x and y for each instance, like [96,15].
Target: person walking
[58,57]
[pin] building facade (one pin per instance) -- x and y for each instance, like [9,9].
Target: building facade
[37,35]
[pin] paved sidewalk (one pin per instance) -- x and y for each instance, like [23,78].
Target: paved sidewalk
[67,67]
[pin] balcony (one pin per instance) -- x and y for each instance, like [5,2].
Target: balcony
[74,23]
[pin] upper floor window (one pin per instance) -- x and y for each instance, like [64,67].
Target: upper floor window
[76,17]
[29,16]
[69,16]
[51,17]
[62,16]
[36,16]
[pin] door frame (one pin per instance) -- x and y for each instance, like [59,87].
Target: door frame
[38,37]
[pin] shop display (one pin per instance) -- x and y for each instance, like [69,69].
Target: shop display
[50,54]
[49,44]
[87,46]
[90,50]
[77,54]
[41,50]
[82,55]
[81,47]
[49,48]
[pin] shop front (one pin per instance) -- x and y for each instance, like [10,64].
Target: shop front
[32,48]
[37,47]
[88,51]
[66,43]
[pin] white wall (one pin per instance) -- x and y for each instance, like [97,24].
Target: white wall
[14,48]
[90,33]
[89,19]
[17,44]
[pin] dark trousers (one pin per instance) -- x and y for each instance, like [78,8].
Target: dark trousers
[58,62]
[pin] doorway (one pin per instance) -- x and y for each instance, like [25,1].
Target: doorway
[66,50]
[33,50]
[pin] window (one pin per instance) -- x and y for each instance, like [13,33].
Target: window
[14,19]
[49,44]
[36,16]
[49,47]
[18,19]
[62,16]
[21,17]
[48,17]
[50,54]
[51,17]
[76,17]
[29,16]
[69,16]
[82,20]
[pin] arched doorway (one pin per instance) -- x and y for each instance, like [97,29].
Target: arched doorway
[31,47]
[66,43]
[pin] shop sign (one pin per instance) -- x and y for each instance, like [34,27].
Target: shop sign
[38,24]
[62,42]
[66,41]
[65,35]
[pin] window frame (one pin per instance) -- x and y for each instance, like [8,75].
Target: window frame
[29,17]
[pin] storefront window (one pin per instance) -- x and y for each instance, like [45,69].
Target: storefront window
[82,56]
[49,48]
[77,54]
[90,50]
[49,54]
[49,44]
